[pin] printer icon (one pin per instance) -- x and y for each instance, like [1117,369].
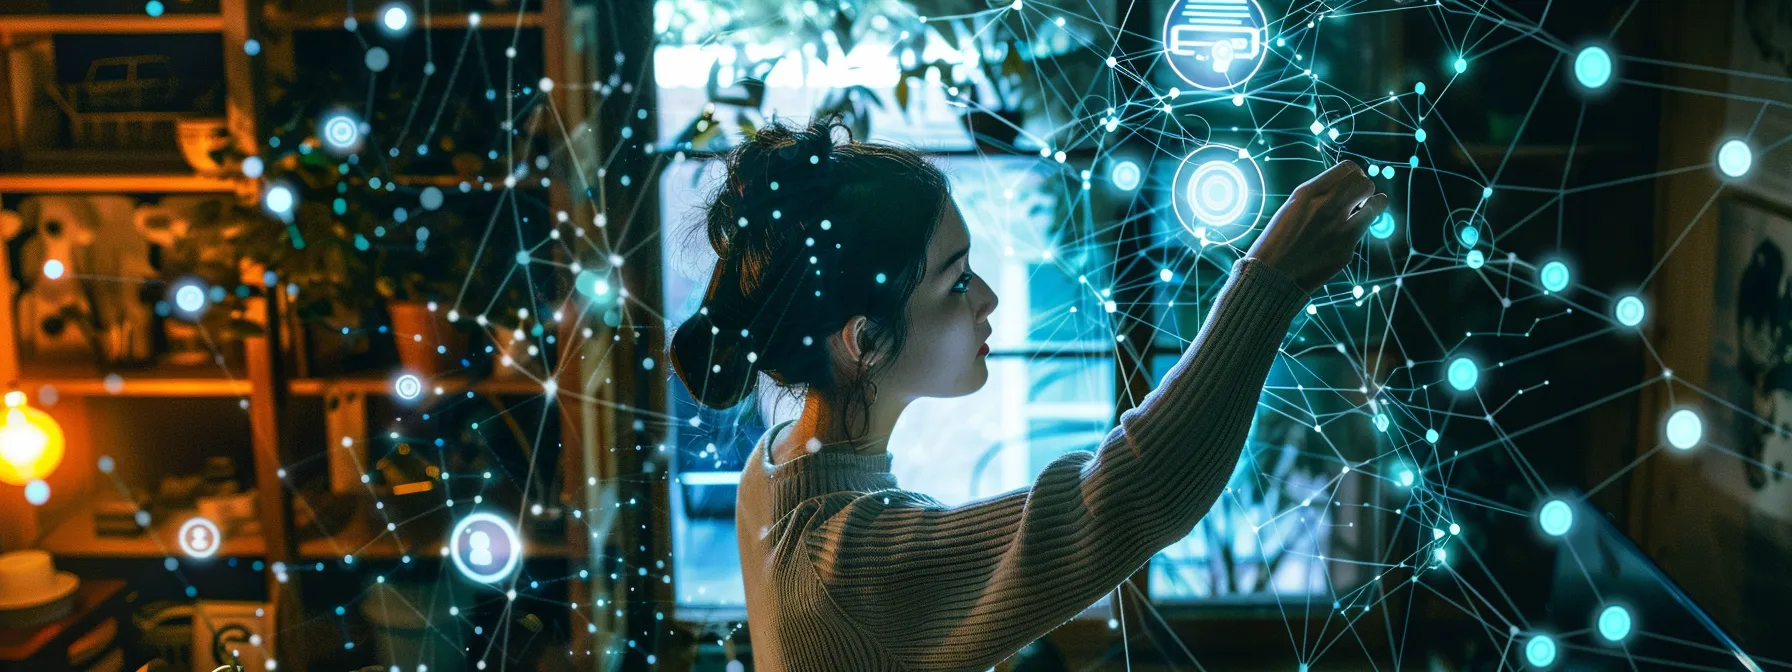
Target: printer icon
[1218,31]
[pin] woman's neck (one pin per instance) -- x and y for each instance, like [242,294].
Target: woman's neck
[821,420]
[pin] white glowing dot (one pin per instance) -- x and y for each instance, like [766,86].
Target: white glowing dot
[53,269]
[396,18]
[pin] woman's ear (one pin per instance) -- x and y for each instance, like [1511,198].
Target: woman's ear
[853,344]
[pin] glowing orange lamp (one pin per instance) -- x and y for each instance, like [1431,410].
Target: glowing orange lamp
[31,442]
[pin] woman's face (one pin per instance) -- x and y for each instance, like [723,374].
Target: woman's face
[948,321]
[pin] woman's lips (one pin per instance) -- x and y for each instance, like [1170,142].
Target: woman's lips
[984,350]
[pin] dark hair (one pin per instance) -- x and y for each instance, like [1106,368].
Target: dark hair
[808,233]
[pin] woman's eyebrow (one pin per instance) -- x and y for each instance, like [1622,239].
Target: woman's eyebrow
[953,260]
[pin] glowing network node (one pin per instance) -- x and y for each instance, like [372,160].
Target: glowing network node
[1540,651]
[1463,373]
[1430,436]
[1215,44]
[1218,193]
[154,8]
[189,297]
[1126,175]
[1475,259]
[1685,429]
[1469,235]
[377,59]
[1554,276]
[37,492]
[1734,158]
[1593,67]
[199,538]
[408,386]
[1614,623]
[53,269]
[1556,517]
[1629,311]
[484,547]
[341,132]
[395,18]
[1461,65]
[1383,226]
[252,167]
[279,200]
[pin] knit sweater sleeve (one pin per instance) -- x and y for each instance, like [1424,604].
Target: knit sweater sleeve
[965,587]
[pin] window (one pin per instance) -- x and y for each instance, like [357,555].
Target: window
[1053,384]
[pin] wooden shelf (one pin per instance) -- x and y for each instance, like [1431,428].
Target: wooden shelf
[86,380]
[495,20]
[378,385]
[75,538]
[43,183]
[110,24]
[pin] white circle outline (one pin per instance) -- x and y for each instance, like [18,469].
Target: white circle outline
[406,380]
[516,548]
[1257,64]
[199,521]
[1231,151]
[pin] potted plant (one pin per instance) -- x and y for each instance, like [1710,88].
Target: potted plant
[419,282]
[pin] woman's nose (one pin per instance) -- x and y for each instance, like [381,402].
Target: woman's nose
[990,303]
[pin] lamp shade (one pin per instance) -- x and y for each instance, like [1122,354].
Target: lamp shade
[31,443]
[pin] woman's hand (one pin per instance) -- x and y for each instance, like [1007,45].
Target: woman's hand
[1313,235]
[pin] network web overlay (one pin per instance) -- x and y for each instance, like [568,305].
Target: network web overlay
[1225,57]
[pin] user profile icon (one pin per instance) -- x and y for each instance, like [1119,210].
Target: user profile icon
[1215,44]
[1218,194]
[485,547]
[199,538]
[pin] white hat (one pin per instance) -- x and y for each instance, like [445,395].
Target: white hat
[29,579]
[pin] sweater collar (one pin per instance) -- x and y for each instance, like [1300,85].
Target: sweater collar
[816,474]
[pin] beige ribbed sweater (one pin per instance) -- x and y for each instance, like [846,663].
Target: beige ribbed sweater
[845,571]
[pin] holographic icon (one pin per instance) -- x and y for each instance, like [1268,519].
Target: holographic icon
[408,387]
[199,538]
[1215,44]
[485,547]
[1218,194]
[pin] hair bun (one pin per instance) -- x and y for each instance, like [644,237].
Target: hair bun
[718,366]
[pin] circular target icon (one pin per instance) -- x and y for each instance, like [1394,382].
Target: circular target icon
[1218,194]
[485,547]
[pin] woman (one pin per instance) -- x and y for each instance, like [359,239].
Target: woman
[843,275]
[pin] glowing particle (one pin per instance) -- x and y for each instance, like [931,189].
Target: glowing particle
[408,386]
[1734,158]
[1540,651]
[1461,65]
[1431,436]
[1554,276]
[1126,175]
[189,298]
[377,59]
[1469,235]
[1463,373]
[341,133]
[1556,517]
[1474,259]
[395,18]
[252,167]
[1419,135]
[279,200]
[1593,67]
[1614,623]
[1629,311]
[37,492]
[1685,429]
[1383,226]
[53,269]
[154,8]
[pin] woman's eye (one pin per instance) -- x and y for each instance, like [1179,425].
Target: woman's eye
[964,283]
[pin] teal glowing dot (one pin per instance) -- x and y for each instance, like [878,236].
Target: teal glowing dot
[1469,235]
[1629,311]
[1540,651]
[1383,226]
[1556,517]
[1593,67]
[1413,161]
[881,278]
[1374,170]
[1486,192]
[1419,88]
[1430,436]
[1614,623]
[106,464]
[1406,478]
[1734,158]
[1685,429]
[37,492]
[1463,374]
[153,8]
[1554,276]
[522,257]
[1475,259]
[1461,65]
[1419,135]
